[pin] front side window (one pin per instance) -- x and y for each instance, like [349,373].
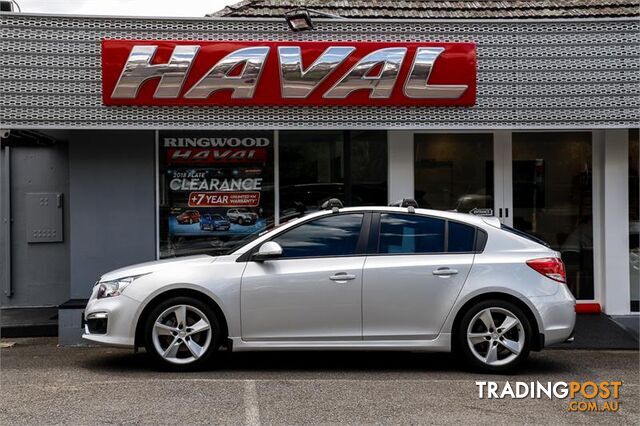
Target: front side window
[409,234]
[335,235]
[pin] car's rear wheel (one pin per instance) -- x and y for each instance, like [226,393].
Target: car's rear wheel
[240,221]
[495,336]
[182,333]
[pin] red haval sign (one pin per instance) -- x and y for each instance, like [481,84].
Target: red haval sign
[215,155]
[287,73]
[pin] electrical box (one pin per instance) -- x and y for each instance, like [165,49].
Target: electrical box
[44,217]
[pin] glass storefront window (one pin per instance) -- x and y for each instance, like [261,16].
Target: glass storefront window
[634,218]
[215,189]
[318,165]
[311,170]
[552,198]
[454,171]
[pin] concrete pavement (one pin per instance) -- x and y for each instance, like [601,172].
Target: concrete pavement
[44,384]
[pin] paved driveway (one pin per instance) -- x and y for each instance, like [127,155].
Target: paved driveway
[44,384]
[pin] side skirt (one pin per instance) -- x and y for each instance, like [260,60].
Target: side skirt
[442,343]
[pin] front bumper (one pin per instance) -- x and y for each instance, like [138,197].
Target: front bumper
[120,313]
[557,314]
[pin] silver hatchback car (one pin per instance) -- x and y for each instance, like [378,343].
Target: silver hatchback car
[362,278]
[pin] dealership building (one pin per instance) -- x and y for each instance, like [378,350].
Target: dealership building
[127,140]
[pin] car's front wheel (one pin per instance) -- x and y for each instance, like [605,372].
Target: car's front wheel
[495,336]
[182,333]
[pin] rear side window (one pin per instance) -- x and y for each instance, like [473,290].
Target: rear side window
[462,238]
[409,234]
[335,235]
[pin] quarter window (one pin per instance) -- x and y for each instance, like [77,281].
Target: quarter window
[461,238]
[410,234]
[335,235]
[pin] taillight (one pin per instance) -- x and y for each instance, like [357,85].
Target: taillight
[550,267]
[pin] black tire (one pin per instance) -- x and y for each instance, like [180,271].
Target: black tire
[211,318]
[463,348]
[240,221]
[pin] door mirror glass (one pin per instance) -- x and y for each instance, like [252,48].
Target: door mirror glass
[268,250]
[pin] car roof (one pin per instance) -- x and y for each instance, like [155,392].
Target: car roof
[481,221]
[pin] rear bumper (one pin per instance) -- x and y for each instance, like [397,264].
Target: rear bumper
[557,315]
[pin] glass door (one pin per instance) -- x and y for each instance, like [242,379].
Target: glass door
[634,218]
[537,182]
[552,190]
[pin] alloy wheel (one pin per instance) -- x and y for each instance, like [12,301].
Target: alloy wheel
[181,334]
[495,336]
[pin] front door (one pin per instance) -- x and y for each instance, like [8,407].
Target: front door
[314,290]
[410,286]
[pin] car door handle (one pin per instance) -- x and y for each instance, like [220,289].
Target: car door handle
[445,272]
[342,276]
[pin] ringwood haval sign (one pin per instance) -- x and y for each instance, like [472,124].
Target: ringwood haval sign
[287,73]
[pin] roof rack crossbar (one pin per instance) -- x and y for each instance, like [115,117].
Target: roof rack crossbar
[332,204]
[409,203]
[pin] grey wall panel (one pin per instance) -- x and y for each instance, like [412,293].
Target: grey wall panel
[531,74]
[39,271]
[112,203]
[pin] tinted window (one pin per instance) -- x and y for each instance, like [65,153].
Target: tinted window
[523,234]
[335,235]
[461,237]
[410,234]
[318,165]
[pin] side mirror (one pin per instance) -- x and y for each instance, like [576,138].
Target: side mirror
[268,250]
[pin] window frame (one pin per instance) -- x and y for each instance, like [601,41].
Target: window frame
[373,247]
[361,245]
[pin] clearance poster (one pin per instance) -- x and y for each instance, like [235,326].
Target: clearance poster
[216,187]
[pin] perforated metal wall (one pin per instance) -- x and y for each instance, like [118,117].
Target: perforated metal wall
[531,74]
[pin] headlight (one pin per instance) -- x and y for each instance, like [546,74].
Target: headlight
[115,287]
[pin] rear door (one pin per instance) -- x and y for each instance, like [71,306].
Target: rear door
[410,285]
